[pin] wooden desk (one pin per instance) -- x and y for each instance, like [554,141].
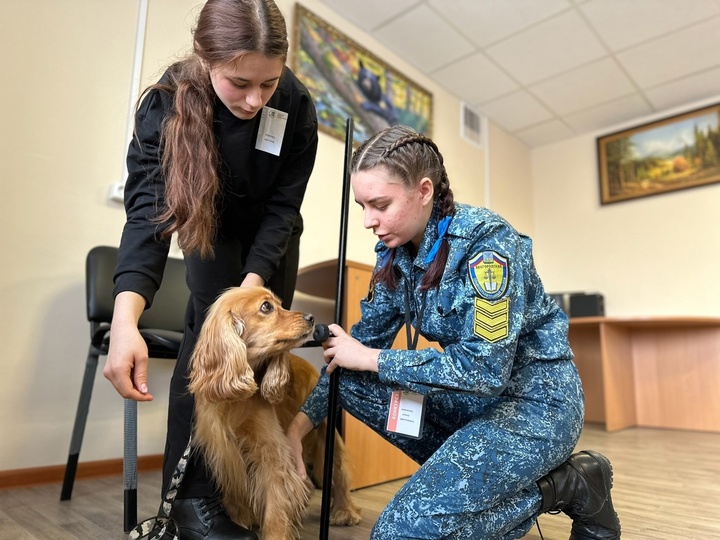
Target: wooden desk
[653,372]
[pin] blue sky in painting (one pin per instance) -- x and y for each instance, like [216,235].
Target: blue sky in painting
[672,138]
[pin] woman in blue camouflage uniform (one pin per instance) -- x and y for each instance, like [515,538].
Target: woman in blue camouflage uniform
[492,418]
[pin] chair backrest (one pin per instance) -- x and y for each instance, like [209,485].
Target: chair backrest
[99,271]
[170,302]
[168,309]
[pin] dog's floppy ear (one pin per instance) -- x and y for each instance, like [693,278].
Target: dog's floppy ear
[276,378]
[219,368]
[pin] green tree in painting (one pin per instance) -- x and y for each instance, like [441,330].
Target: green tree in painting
[710,156]
[621,169]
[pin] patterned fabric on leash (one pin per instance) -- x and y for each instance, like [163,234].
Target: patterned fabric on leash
[162,526]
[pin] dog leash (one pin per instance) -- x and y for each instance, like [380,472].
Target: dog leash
[162,526]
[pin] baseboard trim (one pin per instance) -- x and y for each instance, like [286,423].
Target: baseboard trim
[92,469]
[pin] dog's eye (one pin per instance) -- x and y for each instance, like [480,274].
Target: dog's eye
[266,307]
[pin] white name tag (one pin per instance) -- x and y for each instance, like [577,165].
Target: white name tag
[271,131]
[406,413]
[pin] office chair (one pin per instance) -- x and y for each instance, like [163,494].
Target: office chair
[161,326]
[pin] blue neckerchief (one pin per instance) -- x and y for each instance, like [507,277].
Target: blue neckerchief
[385,257]
[443,225]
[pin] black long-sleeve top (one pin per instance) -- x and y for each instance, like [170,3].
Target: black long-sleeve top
[259,202]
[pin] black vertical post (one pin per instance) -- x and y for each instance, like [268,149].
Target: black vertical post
[333,407]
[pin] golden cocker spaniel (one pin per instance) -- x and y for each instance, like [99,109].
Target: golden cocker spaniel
[247,389]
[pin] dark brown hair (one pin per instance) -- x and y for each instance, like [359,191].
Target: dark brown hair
[225,30]
[409,157]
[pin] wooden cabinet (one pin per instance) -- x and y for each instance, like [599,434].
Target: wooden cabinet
[374,460]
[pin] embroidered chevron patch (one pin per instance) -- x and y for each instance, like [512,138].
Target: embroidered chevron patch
[492,319]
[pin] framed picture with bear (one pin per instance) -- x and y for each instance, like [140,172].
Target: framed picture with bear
[346,80]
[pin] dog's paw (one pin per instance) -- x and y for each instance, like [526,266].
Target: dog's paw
[345,517]
[272,394]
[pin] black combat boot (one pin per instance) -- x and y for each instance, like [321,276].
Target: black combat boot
[206,519]
[580,487]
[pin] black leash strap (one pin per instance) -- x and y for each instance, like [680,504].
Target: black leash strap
[333,407]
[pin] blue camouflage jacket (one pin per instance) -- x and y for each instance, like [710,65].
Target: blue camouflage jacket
[489,314]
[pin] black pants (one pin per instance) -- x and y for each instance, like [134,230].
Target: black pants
[197,481]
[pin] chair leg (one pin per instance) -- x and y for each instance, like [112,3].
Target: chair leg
[130,465]
[80,421]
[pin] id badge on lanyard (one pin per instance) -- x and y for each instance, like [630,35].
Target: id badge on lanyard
[271,131]
[406,413]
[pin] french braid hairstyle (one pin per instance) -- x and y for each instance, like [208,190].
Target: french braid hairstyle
[225,30]
[409,157]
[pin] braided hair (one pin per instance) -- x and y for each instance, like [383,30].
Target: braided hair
[409,157]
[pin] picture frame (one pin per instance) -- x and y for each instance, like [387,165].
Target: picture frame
[346,80]
[666,155]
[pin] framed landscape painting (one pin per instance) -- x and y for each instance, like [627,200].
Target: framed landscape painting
[346,80]
[675,153]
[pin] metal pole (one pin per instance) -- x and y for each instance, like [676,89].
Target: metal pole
[333,407]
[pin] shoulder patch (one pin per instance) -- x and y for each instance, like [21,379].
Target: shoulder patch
[492,319]
[488,272]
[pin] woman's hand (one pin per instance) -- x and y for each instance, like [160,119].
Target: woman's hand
[342,350]
[298,428]
[127,361]
[252,280]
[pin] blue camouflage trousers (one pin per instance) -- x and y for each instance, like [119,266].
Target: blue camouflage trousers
[480,457]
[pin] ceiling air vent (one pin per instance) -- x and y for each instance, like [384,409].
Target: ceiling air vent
[470,124]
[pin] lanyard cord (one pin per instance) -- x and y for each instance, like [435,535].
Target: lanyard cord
[442,226]
[413,341]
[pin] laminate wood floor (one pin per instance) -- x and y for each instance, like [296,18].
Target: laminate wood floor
[667,487]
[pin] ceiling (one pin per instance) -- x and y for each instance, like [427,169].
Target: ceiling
[547,70]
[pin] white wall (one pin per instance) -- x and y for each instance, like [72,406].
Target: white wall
[653,256]
[510,180]
[63,102]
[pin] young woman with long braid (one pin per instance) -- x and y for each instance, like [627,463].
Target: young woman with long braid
[492,418]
